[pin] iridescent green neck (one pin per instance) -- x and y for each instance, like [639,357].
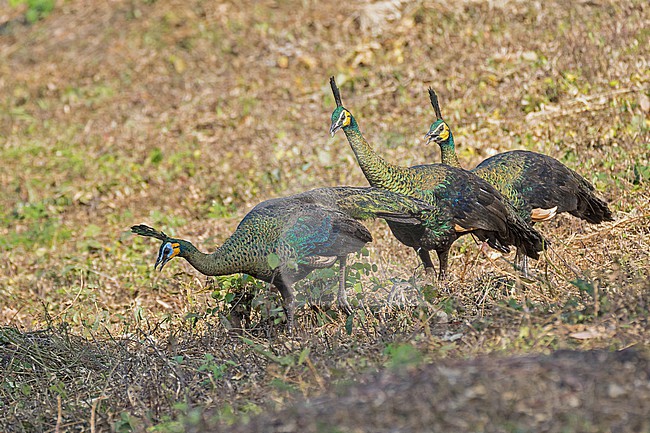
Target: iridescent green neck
[448,152]
[220,262]
[379,172]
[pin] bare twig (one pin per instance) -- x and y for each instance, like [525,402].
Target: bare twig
[93,412]
[59,416]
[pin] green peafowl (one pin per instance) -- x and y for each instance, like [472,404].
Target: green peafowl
[461,202]
[538,186]
[282,240]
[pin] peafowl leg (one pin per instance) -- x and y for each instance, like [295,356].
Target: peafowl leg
[521,263]
[342,296]
[425,256]
[443,258]
[287,304]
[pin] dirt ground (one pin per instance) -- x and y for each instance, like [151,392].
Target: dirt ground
[184,115]
[566,391]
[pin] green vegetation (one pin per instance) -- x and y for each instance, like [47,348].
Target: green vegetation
[36,9]
[185,115]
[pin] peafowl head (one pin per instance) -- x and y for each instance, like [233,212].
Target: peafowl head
[439,131]
[341,117]
[169,248]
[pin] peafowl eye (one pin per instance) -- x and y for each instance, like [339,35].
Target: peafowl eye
[340,119]
[438,132]
[168,250]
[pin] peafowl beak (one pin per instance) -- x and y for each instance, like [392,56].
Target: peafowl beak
[160,261]
[429,136]
[336,126]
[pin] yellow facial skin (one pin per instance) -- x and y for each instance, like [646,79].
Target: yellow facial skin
[176,250]
[444,133]
[346,120]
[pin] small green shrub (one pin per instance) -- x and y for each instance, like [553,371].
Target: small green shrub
[36,9]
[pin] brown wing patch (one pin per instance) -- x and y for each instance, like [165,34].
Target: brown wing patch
[460,229]
[538,214]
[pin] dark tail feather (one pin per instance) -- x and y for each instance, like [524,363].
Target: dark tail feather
[147,231]
[527,239]
[592,209]
[522,235]
[492,239]
[494,243]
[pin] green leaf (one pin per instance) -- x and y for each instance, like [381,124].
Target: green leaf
[303,355]
[31,16]
[348,324]
[583,285]
[514,304]
[273,260]
[641,173]
[402,354]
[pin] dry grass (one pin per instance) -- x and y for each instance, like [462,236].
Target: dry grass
[183,115]
[579,391]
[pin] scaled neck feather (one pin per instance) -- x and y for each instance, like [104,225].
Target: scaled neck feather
[448,152]
[220,262]
[379,172]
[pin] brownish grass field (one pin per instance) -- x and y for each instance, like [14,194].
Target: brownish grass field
[185,114]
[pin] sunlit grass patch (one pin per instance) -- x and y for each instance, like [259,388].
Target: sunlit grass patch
[186,115]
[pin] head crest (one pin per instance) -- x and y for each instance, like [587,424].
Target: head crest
[335,91]
[147,231]
[434,102]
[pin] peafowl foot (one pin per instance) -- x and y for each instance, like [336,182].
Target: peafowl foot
[287,304]
[521,264]
[289,325]
[397,295]
[342,297]
[345,306]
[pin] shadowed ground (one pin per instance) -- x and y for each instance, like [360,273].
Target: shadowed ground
[592,391]
[183,115]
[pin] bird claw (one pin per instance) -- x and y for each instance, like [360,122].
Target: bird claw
[521,264]
[345,307]
[396,296]
[431,276]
